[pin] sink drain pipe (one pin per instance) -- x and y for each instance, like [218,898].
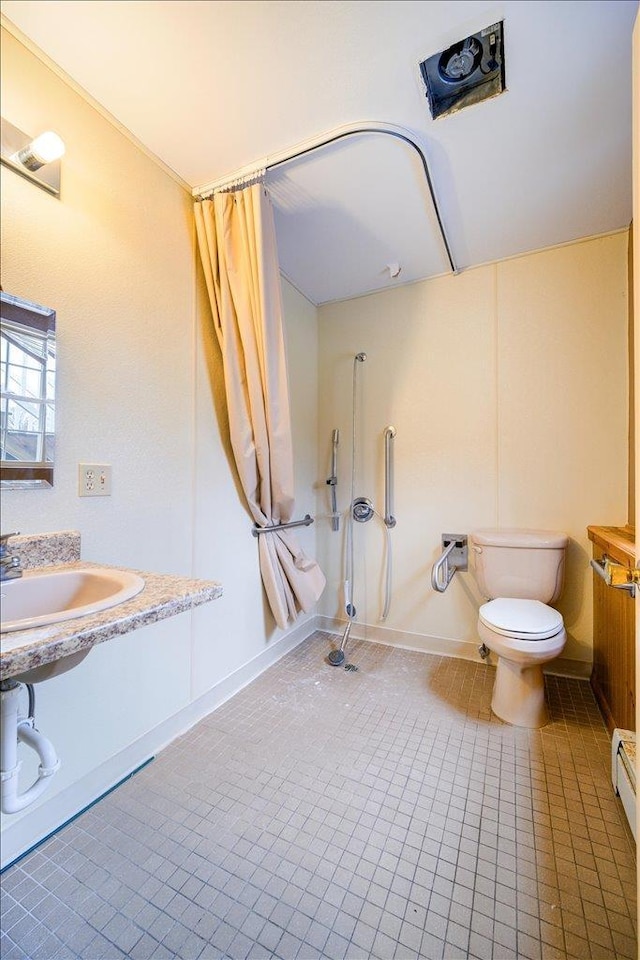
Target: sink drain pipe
[15,729]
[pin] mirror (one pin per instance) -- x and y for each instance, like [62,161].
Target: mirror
[27,393]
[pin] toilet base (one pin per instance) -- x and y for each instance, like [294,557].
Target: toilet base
[518,694]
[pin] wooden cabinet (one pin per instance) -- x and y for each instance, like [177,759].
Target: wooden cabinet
[614,670]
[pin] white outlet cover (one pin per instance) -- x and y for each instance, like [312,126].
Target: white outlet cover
[94,480]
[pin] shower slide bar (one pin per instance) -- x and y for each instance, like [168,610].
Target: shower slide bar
[276,527]
[452,559]
[255,170]
[332,481]
[389,437]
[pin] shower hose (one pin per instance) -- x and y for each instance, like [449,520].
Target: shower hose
[388,579]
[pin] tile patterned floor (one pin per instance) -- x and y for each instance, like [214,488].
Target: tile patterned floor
[327,813]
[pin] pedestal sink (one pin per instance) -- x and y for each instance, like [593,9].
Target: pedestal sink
[41,597]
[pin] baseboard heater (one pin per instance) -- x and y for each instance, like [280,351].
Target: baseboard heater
[623,772]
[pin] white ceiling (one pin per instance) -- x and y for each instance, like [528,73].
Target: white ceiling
[212,86]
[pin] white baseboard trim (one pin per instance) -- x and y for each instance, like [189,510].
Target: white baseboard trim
[441,646]
[420,642]
[52,813]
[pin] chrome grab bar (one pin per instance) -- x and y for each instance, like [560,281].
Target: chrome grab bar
[276,527]
[616,575]
[441,582]
[389,436]
[333,481]
[453,558]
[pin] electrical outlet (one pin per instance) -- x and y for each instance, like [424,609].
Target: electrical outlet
[94,480]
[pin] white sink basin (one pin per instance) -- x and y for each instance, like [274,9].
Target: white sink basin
[41,597]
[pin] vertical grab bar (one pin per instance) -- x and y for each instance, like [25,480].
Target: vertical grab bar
[333,481]
[389,436]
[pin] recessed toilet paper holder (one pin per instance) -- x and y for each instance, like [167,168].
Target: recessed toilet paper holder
[616,575]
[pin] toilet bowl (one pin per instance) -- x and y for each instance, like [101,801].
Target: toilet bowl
[524,635]
[520,572]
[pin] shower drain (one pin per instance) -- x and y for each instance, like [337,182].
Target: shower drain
[350,667]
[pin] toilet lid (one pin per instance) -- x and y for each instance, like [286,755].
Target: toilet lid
[530,619]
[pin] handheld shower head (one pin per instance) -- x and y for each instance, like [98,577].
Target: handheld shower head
[361,357]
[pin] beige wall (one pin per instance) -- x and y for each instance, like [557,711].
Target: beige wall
[139,387]
[118,269]
[508,388]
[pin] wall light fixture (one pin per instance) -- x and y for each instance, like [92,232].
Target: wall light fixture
[36,159]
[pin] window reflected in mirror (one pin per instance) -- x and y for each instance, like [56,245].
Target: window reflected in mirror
[27,393]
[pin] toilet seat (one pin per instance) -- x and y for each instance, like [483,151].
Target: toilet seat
[521,619]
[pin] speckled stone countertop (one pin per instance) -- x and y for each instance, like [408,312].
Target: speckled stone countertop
[45,549]
[163,596]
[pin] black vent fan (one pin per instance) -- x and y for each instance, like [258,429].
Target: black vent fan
[466,72]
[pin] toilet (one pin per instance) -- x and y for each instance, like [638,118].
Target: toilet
[520,572]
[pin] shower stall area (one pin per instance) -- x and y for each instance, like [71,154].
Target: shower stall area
[474,378]
[489,393]
[360,509]
[390,464]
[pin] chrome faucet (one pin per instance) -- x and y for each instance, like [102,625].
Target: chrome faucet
[10,568]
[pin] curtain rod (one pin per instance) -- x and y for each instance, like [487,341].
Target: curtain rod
[206,191]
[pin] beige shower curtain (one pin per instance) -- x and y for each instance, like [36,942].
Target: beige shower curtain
[236,238]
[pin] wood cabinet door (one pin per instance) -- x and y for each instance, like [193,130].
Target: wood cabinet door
[613,677]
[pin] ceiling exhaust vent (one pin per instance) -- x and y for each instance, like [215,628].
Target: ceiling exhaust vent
[466,72]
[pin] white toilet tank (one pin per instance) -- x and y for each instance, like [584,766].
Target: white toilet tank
[525,564]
